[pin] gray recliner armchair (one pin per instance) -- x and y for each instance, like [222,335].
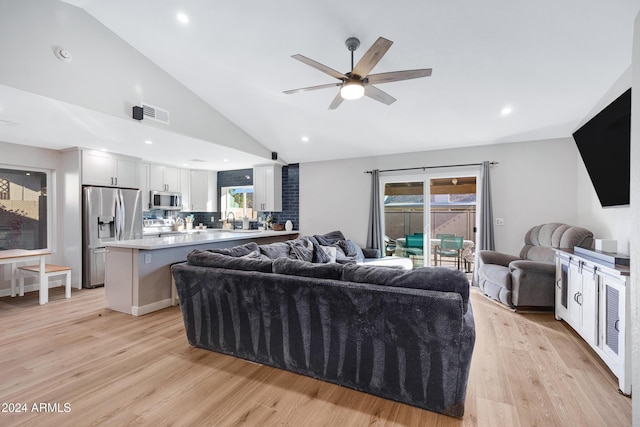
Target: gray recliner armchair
[528,281]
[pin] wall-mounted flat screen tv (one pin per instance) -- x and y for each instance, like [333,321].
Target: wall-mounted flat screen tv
[604,143]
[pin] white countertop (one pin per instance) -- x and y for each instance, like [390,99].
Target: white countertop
[194,238]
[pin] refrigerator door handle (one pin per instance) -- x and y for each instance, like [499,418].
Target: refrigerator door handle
[123,216]
[118,218]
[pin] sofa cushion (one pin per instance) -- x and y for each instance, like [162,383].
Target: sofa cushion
[236,251]
[212,259]
[369,274]
[435,279]
[295,267]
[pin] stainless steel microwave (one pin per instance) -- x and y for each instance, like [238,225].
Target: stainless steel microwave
[165,200]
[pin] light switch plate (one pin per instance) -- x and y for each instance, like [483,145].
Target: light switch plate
[499,221]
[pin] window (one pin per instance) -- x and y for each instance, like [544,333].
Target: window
[23,209]
[238,200]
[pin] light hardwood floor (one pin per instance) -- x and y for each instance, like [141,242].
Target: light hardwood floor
[109,368]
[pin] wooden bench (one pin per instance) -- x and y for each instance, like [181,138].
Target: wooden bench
[49,270]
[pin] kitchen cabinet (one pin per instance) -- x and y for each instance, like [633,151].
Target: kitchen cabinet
[267,188]
[164,178]
[185,189]
[593,298]
[204,191]
[143,179]
[100,168]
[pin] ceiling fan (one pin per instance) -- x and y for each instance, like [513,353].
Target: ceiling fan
[358,81]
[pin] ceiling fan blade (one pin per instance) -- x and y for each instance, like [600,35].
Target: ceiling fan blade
[378,95]
[320,67]
[305,89]
[395,76]
[371,57]
[336,101]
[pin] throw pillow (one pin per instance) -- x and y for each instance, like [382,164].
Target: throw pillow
[319,255]
[329,238]
[331,252]
[275,250]
[351,249]
[300,250]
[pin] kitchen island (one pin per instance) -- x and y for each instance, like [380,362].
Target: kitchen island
[138,277]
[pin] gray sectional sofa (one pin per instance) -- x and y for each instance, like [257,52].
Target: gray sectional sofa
[402,335]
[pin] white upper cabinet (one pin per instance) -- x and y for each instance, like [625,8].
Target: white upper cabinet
[204,191]
[143,178]
[99,168]
[164,178]
[267,188]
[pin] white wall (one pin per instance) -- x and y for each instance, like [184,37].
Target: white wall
[634,229]
[23,156]
[106,74]
[534,183]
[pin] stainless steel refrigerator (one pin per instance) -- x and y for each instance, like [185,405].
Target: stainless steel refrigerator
[108,214]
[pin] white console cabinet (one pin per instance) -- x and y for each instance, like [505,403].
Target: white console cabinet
[593,298]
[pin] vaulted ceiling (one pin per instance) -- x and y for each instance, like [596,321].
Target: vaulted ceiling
[548,62]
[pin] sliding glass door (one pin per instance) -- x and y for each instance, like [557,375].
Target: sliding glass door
[419,209]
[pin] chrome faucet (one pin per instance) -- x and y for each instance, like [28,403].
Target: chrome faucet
[233,224]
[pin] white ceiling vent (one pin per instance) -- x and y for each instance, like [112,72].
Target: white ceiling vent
[155,113]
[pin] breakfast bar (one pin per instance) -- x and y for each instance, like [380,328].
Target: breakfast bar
[138,277]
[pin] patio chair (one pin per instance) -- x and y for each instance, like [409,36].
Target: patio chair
[450,247]
[414,244]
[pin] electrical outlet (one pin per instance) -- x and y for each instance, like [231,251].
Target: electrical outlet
[213,219]
[147,258]
[499,221]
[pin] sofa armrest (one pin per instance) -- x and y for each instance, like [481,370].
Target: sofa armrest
[371,253]
[533,266]
[498,258]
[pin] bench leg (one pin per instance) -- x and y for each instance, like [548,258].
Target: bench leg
[13,279]
[67,285]
[44,284]
[20,284]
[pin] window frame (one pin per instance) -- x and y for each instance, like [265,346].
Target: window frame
[50,195]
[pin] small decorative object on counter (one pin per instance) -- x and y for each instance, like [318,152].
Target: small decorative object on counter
[277,227]
[288,225]
[268,221]
[189,220]
[179,225]
[245,223]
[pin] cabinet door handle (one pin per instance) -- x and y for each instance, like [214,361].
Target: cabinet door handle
[116,178]
[616,325]
[558,283]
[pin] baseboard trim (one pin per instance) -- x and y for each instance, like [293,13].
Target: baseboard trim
[150,308]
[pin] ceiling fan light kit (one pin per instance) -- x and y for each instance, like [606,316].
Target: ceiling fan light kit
[358,82]
[352,89]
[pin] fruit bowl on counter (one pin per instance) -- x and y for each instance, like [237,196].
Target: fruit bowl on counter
[277,227]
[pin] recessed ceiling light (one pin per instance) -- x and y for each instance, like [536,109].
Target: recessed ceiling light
[305,139]
[148,142]
[103,149]
[185,164]
[225,160]
[183,18]
[506,111]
